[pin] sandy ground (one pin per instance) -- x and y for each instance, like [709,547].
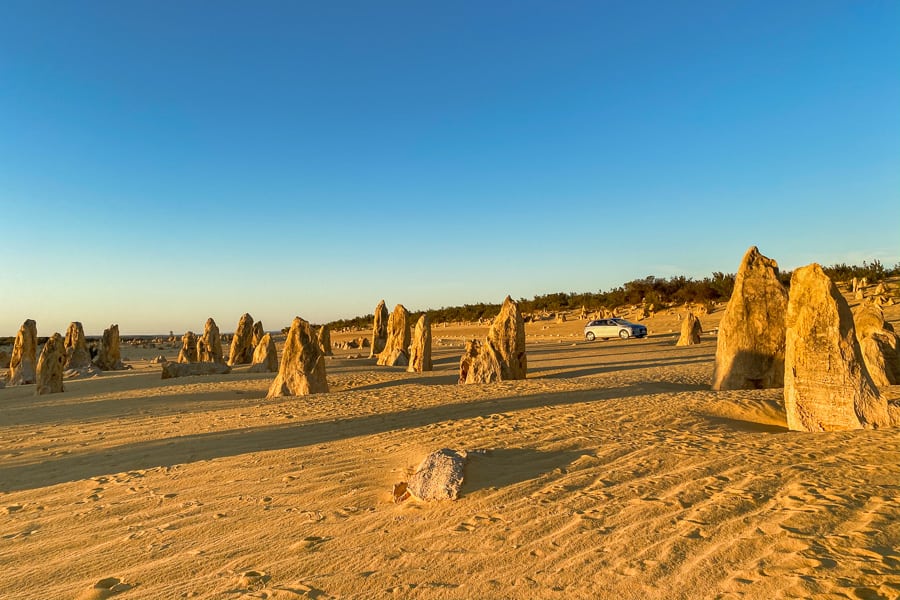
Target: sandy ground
[611,472]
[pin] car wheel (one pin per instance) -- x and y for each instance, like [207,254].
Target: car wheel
[589,336]
[624,334]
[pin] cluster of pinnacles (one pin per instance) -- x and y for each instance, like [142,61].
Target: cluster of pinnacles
[394,346]
[499,356]
[250,344]
[60,357]
[807,341]
[829,361]
[301,370]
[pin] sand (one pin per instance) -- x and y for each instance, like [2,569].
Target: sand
[611,472]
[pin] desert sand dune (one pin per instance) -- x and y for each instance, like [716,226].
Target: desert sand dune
[612,471]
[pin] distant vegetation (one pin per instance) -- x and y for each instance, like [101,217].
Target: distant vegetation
[660,291]
[873,271]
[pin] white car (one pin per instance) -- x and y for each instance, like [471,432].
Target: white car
[608,328]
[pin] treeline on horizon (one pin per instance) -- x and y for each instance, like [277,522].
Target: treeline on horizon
[658,291]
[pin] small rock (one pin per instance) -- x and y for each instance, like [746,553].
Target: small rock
[439,476]
[77,354]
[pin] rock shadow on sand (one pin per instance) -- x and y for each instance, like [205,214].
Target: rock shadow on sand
[501,467]
[432,380]
[555,372]
[756,415]
[207,446]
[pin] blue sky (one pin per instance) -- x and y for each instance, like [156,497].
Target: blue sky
[165,162]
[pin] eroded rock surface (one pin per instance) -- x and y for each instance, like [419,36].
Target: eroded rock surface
[23,360]
[50,366]
[209,346]
[438,477]
[379,329]
[420,351]
[242,342]
[77,354]
[302,368]
[468,356]
[323,334]
[109,357]
[258,333]
[265,357]
[501,355]
[750,345]
[398,338]
[690,331]
[188,352]
[878,344]
[827,386]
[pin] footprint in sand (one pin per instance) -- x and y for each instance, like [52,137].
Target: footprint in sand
[21,534]
[250,579]
[696,533]
[106,587]
[869,594]
[309,543]
[295,590]
[466,527]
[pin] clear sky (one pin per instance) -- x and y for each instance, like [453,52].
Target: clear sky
[162,162]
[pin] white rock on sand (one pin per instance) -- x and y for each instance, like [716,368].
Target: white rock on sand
[439,476]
